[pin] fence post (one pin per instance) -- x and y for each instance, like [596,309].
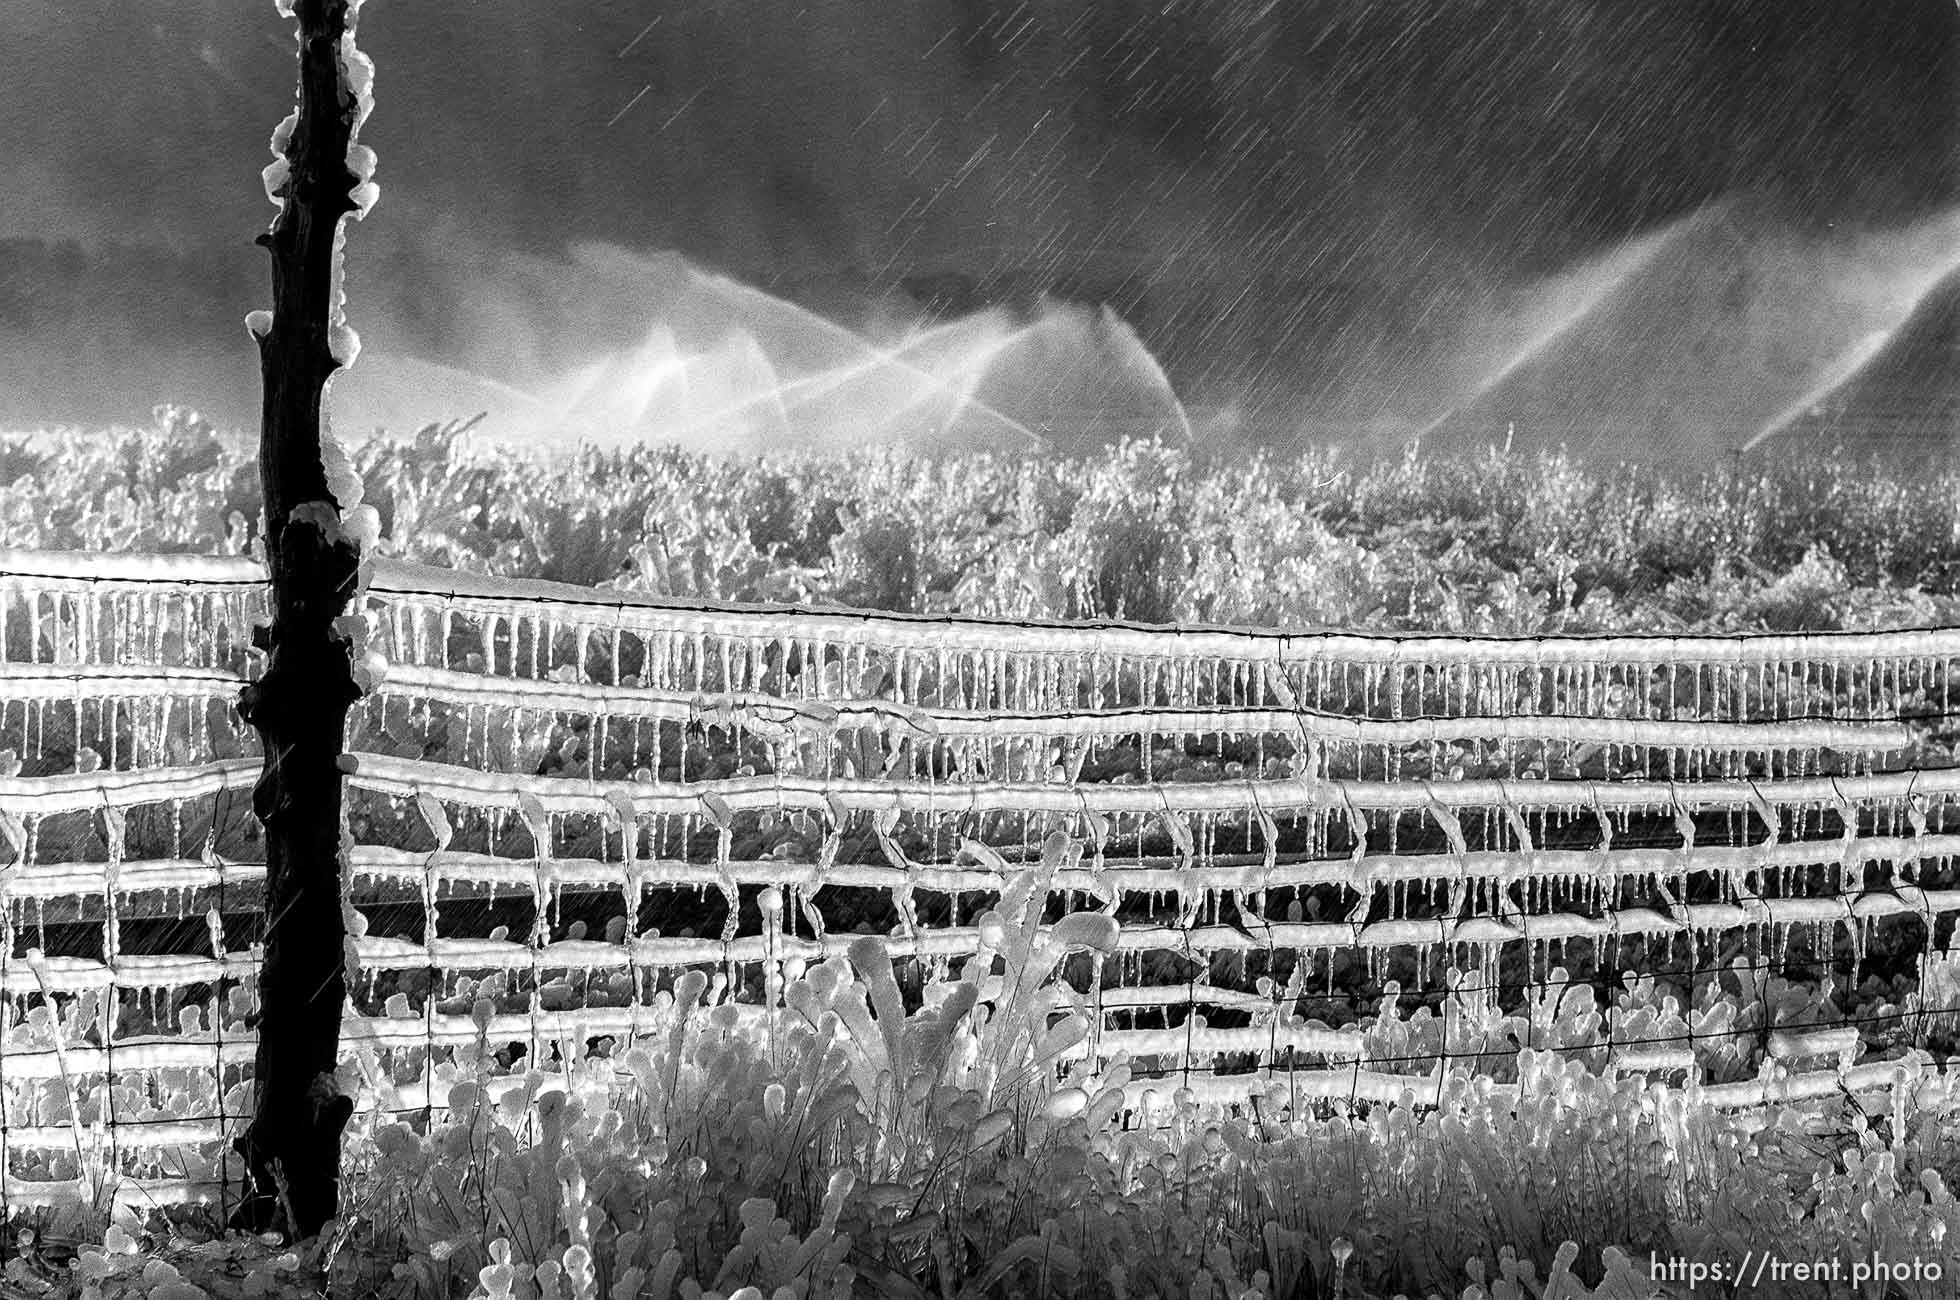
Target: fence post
[299,704]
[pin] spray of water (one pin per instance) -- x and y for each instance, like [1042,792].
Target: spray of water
[1736,324]
[1080,376]
[730,366]
[619,394]
[779,399]
[1836,376]
[1895,293]
[402,393]
[1142,359]
[1720,329]
[748,301]
[1561,306]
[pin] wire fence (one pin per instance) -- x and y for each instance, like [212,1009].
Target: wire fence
[1342,866]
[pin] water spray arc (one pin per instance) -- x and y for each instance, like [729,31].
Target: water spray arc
[1594,285]
[1840,373]
[728,365]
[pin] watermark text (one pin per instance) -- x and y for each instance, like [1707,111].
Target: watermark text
[1764,1269]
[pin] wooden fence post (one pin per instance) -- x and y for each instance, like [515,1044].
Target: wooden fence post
[299,705]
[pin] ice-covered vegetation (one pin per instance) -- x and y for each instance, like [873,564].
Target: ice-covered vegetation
[845,1147]
[824,1124]
[1498,543]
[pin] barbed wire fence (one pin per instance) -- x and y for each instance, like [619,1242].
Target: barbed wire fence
[1343,867]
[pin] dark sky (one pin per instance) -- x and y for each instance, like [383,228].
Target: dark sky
[1415,159]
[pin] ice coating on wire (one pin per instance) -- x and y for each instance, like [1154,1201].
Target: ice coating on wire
[138,635]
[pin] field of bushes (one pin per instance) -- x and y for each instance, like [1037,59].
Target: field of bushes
[1498,542]
[848,1148]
